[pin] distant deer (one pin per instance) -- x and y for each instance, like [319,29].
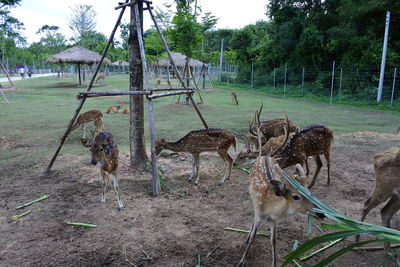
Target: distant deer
[387,186]
[100,77]
[105,154]
[273,199]
[398,130]
[198,141]
[268,129]
[113,109]
[126,111]
[234,99]
[158,83]
[91,115]
[311,141]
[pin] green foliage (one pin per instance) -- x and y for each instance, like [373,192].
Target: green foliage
[82,22]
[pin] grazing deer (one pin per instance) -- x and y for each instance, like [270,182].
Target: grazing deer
[126,111]
[100,77]
[273,199]
[234,99]
[88,116]
[387,186]
[268,129]
[158,83]
[311,141]
[105,154]
[198,141]
[113,109]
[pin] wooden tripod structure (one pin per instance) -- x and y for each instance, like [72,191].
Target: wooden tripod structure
[150,93]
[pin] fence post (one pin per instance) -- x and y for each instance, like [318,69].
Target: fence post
[302,83]
[252,75]
[382,73]
[333,78]
[284,83]
[274,78]
[340,82]
[394,82]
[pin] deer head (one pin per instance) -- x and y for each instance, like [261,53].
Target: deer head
[102,146]
[160,145]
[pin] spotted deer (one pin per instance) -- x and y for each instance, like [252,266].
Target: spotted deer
[113,109]
[100,77]
[126,111]
[158,83]
[387,186]
[88,116]
[273,199]
[105,154]
[234,99]
[268,129]
[198,141]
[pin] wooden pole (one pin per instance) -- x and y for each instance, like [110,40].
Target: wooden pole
[173,64]
[80,105]
[6,73]
[5,98]
[332,82]
[154,178]
[79,74]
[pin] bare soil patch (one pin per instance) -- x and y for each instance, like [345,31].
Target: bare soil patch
[173,228]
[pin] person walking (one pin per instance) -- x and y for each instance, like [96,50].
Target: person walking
[22,72]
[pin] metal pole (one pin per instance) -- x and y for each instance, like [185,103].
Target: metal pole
[220,60]
[302,83]
[274,77]
[333,79]
[394,82]
[340,82]
[284,83]
[382,74]
[252,69]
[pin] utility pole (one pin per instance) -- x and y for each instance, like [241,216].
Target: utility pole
[382,74]
[220,59]
[136,123]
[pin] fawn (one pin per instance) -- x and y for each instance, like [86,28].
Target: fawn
[100,77]
[126,111]
[113,109]
[105,154]
[312,141]
[234,99]
[387,186]
[91,115]
[198,141]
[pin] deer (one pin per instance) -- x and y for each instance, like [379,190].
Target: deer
[105,155]
[158,83]
[273,199]
[398,130]
[198,141]
[113,109]
[268,129]
[234,99]
[387,186]
[88,116]
[126,111]
[100,77]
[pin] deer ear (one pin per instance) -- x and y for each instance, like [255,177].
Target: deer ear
[85,142]
[279,188]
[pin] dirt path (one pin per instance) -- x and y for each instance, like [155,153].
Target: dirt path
[175,228]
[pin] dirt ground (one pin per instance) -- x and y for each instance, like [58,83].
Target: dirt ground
[175,229]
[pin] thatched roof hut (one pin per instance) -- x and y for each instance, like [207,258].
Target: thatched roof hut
[77,55]
[120,63]
[180,61]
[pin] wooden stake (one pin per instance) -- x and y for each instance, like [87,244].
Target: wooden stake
[80,105]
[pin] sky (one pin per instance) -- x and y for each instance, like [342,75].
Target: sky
[34,14]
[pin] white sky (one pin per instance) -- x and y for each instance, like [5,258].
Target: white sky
[36,13]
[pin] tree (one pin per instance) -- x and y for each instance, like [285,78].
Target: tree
[52,40]
[82,22]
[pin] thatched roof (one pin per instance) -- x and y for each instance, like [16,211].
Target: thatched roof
[77,54]
[179,61]
[120,63]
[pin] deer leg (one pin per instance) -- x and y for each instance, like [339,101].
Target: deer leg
[251,230]
[116,188]
[328,165]
[307,167]
[228,161]
[104,184]
[273,243]
[387,212]
[319,165]
[197,163]
[193,167]
[252,235]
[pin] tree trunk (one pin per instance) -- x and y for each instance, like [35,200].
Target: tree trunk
[136,129]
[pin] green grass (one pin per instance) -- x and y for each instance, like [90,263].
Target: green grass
[41,109]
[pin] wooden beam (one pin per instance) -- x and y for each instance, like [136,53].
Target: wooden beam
[109,93]
[183,92]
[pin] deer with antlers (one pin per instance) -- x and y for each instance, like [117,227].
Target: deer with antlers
[198,141]
[105,154]
[88,116]
[268,129]
[273,198]
[387,186]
